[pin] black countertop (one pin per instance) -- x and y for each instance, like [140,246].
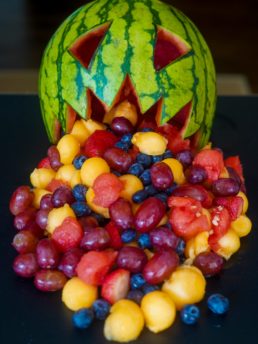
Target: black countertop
[32,317]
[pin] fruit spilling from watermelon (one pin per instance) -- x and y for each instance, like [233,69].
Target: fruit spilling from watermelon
[132,208]
[125,219]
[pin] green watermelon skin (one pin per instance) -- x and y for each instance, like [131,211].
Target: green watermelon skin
[128,49]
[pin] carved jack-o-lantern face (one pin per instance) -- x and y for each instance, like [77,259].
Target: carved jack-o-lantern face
[142,50]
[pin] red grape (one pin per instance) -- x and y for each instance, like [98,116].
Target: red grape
[121,213]
[132,259]
[54,157]
[160,266]
[49,280]
[25,242]
[47,254]
[197,192]
[225,187]
[162,238]
[46,203]
[121,125]
[22,220]
[118,159]
[25,265]
[41,218]
[61,196]
[95,239]
[69,262]
[21,199]
[210,263]
[149,214]
[161,176]
[196,174]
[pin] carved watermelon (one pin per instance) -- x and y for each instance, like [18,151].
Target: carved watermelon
[143,50]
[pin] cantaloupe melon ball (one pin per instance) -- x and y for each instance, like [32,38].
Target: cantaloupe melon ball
[98,209]
[68,147]
[159,311]
[92,168]
[242,226]
[38,194]
[76,294]
[150,143]
[185,286]
[132,184]
[125,322]
[41,177]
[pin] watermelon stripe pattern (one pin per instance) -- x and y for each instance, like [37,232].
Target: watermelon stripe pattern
[128,49]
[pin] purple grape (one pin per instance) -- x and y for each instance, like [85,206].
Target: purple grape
[118,159]
[121,213]
[54,157]
[41,218]
[161,176]
[46,203]
[225,187]
[132,259]
[24,219]
[185,157]
[163,238]
[25,265]
[121,126]
[61,196]
[21,199]
[196,175]
[25,242]
[69,262]
[47,254]
[95,239]
[49,280]
[210,263]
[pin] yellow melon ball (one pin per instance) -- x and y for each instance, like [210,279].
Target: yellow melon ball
[124,109]
[98,209]
[76,294]
[68,147]
[245,199]
[150,143]
[132,184]
[66,173]
[56,217]
[177,170]
[197,245]
[92,168]
[38,194]
[228,244]
[242,225]
[76,178]
[159,311]
[92,126]
[80,132]
[125,322]
[41,177]
[185,286]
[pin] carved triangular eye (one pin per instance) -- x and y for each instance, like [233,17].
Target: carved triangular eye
[169,47]
[85,47]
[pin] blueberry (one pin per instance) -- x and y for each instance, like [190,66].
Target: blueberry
[162,196]
[146,130]
[180,249]
[83,318]
[78,161]
[144,159]
[151,190]
[218,303]
[144,241]
[81,209]
[101,309]
[148,288]
[140,196]
[137,281]
[128,235]
[157,158]
[190,314]
[168,154]
[79,192]
[126,138]
[122,145]
[135,295]
[171,189]
[146,177]
[136,169]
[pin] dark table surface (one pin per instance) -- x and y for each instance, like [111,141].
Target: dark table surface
[32,317]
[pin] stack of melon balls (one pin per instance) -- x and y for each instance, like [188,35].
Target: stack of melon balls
[129,221]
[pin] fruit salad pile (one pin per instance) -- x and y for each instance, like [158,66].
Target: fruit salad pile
[129,221]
